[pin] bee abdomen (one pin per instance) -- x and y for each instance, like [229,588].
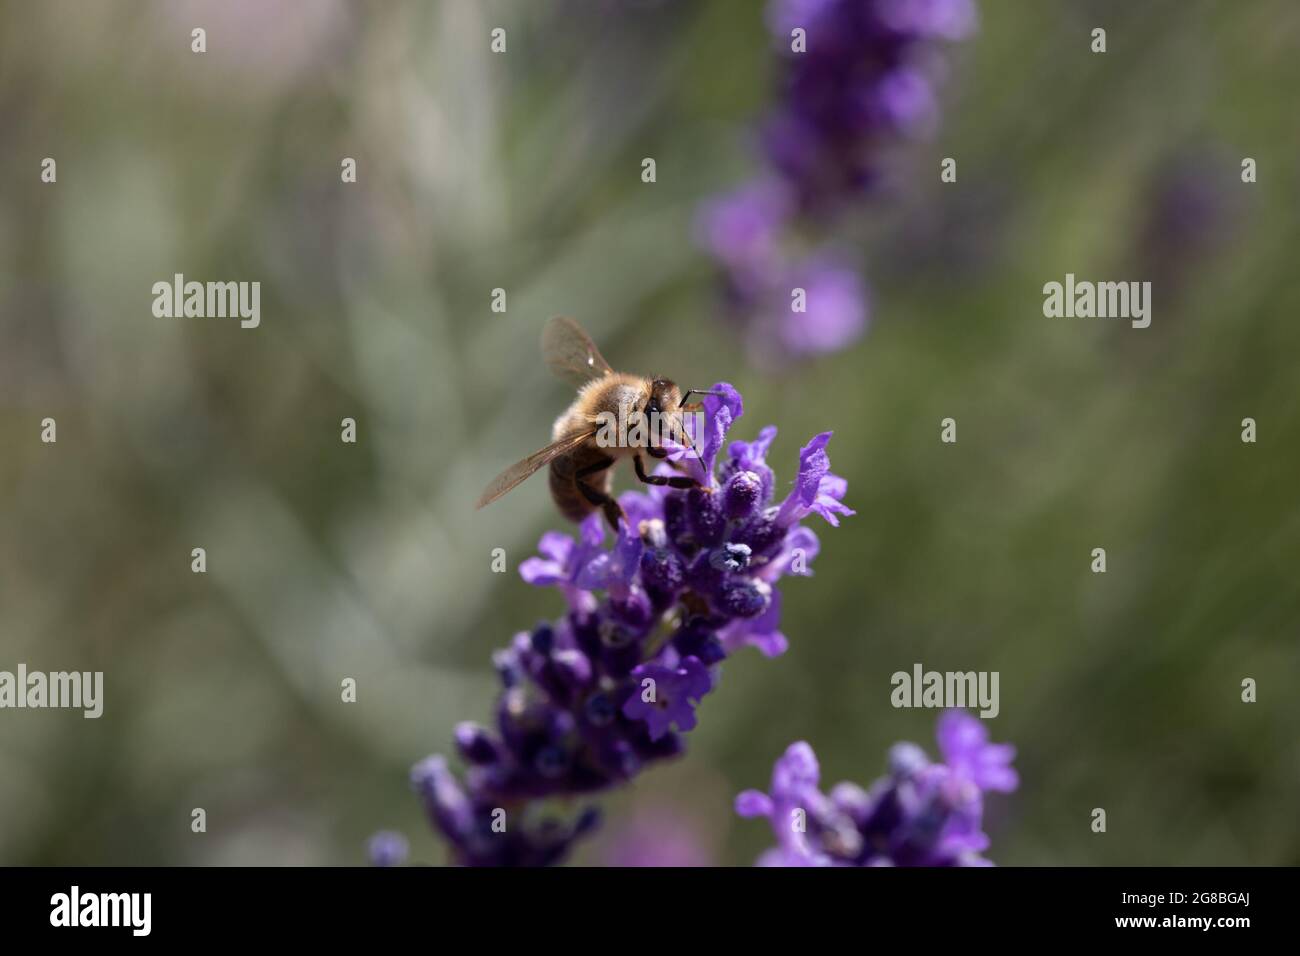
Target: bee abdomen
[568,497]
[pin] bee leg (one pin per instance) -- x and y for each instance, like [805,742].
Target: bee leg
[613,510]
[607,503]
[672,481]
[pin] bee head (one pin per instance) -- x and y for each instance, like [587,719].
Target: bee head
[663,415]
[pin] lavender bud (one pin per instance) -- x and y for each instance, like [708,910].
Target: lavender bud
[507,667]
[475,744]
[620,758]
[634,610]
[551,762]
[568,671]
[705,577]
[600,710]
[907,760]
[851,799]
[614,635]
[662,569]
[677,523]
[707,521]
[744,598]
[742,494]
[543,639]
[560,724]
[585,629]
[695,640]
[619,661]
[761,534]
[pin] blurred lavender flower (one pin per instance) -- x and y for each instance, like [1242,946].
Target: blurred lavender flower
[590,700]
[920,814]
[864,82]
[656,838]
[1194,215]
[387,848]
[861,84]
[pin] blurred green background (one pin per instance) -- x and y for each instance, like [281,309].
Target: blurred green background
[522,171]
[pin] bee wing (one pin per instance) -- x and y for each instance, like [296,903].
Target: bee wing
[522,469]
[570,353]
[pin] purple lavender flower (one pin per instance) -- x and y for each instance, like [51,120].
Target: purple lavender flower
[655,836]
[590,700]
[863,81]
[861,84]
[387,848]
[794,792]
[920,814]
[1194,215]
[835,311]
[668,695]
[964,744]
[799,309]
[482,832]
[743,231]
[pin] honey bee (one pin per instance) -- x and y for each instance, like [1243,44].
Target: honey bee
[616,415]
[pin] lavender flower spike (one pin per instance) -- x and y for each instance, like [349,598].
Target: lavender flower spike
[590,700]
[855,79]
[920,814]
[859,86]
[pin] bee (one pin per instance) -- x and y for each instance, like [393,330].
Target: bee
[616,415]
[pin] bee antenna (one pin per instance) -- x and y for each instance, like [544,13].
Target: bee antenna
[699,391]
[682,404]
[698,456]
